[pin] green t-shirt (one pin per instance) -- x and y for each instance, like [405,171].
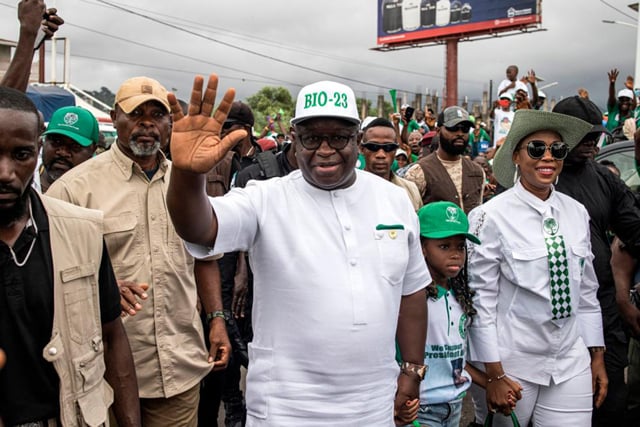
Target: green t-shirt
[613,117]
[412,126]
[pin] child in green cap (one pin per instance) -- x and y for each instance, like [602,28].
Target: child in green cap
[444,230]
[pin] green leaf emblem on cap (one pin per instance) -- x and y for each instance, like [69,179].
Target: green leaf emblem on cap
[70,118]
[452,215]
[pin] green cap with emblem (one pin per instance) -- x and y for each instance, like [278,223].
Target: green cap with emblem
[439,220]
[76,123]
[326,99]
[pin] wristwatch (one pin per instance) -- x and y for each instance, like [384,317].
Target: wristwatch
[217,313]
[409,368]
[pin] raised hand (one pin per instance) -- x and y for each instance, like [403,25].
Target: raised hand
[613,75]
[30,14]
[196,145]
[52,22]
[629,82]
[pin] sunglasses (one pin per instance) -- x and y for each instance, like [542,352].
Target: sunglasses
[313,142]
[374,148]
[536,149]
[464,127]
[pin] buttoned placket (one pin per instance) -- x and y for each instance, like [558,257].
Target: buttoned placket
[353,258]
[159,241]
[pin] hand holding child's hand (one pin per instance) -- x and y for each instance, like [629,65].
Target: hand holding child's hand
[407,412]
[515,392]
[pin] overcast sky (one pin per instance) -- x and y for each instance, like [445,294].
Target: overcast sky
[334,37]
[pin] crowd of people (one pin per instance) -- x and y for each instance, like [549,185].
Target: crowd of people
[368,271]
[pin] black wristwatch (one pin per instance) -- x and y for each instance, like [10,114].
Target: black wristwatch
[409,368]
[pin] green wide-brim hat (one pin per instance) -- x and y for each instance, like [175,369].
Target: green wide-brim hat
[526,122]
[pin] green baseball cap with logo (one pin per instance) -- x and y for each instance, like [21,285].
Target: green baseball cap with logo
[76,123]
[326,99]
[439,220]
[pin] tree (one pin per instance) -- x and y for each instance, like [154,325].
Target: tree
[269,101]
[104,95]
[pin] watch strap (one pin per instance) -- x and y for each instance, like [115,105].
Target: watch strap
[214,314]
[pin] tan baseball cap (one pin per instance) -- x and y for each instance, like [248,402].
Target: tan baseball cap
[139,90]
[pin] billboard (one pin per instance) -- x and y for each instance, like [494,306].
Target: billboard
[402,21]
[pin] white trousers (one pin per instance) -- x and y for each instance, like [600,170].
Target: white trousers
[566,404]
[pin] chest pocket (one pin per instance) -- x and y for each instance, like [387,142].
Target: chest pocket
[393,250]
[531,264]
[578,259]
[122,237]
[77,285]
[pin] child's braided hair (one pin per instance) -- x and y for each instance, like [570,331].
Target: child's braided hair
[460,287]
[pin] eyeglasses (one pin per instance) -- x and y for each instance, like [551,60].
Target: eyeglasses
[536,149]
[374,148]
[313,142]
[464,127]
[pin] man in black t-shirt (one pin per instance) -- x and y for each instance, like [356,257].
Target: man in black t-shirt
[29,385]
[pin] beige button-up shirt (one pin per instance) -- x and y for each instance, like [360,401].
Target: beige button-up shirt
[166,336]
[411,188]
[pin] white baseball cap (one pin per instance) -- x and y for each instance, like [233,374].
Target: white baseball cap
[401,152]
[626,93]
[326,99]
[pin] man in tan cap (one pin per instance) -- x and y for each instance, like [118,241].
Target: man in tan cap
[155,274]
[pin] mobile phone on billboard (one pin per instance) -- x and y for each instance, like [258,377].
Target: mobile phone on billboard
[408,113]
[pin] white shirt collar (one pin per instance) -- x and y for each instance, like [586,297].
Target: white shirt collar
[535,202]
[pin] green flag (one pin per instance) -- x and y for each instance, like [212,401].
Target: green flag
[392,92]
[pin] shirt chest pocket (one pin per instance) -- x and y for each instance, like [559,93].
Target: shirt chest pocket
[122,237]
[393,252]
[578,258]
[528,266]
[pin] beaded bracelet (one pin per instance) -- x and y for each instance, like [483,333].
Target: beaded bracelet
[498,378]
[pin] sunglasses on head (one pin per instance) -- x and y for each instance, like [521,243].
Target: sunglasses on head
[464,127]
[536,149]
[373,147]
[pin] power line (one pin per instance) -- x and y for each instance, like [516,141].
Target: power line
[269,80]
[181,55]
[242,49]
[273,43]
[156,67]
[618,10]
